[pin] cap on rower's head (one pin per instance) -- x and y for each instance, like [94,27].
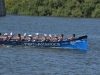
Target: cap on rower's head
[11,33]
[37,33]
[29,35]
[5,34]
[45,34]
[24,34]
[55,35]
[50,35]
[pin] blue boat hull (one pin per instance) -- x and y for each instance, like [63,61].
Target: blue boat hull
[79,43]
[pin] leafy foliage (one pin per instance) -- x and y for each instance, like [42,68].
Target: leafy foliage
[66,8]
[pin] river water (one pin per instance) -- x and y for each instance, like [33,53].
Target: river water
[43,61]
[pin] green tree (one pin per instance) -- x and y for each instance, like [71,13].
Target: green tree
[96,12]
[67,8]
[76,12]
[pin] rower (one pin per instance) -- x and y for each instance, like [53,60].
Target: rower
[1,37]
[30,38]
[61,37]
[17,38]
[55,38]
[49,37]
[0,34]
[23,37]
[71,38]
[10,36]
[5,37]
[44,38]
[36,37]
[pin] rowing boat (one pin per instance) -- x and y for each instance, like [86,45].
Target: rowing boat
[78,43]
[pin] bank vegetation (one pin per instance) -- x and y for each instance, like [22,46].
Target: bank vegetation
[63,8]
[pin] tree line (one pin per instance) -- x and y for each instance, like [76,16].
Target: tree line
[62,8]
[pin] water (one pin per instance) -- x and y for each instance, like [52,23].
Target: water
[42,61]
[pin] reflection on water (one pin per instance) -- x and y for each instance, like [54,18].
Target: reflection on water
[43,61]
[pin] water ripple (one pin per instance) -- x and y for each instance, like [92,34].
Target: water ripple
[36,61]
